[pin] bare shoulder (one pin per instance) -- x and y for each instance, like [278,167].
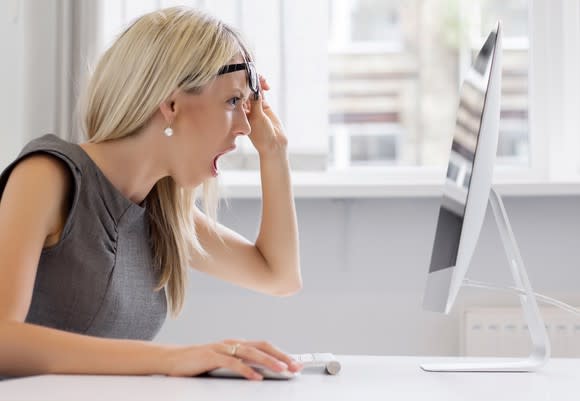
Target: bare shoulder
[32,206]
[39,189]
[42,164]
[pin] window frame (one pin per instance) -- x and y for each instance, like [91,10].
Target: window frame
[554,172]
[554,29]
[554,66]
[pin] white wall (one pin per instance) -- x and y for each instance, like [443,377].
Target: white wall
[364,264]
[10,78]
[28,34]
[38,84]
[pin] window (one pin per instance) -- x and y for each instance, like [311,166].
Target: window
[513,144]
[373,84]
[395,69]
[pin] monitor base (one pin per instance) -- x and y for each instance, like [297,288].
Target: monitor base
[536,327]
[485,365]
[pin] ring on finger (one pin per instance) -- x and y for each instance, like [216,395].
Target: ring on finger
[234,349]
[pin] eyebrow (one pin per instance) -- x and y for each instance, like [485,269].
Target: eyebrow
[245,94]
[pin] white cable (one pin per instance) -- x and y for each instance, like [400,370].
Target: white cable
[551,301]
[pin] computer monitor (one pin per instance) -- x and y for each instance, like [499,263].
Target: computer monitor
[466,194]
[469,175]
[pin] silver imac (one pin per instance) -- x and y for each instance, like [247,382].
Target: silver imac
[466,194]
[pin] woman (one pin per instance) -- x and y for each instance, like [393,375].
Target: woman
[96,239]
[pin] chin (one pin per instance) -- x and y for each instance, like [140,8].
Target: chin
[188,182]
[192,180]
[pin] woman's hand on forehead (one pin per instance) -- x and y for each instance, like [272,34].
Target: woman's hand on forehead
[264,86]
[267,133]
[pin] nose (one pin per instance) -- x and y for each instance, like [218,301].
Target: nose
[242,126]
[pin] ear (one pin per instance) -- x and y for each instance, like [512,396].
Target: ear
[168,108]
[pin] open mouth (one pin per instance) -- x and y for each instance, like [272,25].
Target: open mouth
[215,165]
[215,159]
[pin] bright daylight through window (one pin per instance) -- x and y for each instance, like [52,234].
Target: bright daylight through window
[395,69]
[384,90]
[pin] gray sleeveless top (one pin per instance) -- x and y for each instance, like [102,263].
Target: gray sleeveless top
[99,279]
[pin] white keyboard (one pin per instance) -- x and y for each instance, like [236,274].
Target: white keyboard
[324,360]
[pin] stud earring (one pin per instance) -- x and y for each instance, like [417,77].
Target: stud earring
[168,131]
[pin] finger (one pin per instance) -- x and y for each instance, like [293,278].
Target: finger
[268,348]
[256,103]
[233,341]
[236,365]
[271,115]
[260,106]
[226,348]
[250,353]
[230,348]
[263,83]
[248,106]
[259,103]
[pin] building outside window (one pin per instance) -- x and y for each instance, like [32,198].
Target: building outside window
[372,85]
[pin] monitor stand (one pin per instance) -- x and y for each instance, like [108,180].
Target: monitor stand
[540,341]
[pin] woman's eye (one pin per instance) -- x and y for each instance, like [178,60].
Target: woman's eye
[234,101]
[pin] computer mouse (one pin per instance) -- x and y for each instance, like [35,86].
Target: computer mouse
[266,373]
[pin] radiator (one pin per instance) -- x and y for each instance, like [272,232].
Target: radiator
[503,332]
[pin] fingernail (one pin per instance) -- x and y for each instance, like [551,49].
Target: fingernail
[282,365]
[296,365]
[257,376]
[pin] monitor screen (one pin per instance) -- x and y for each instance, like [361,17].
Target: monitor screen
[461,160]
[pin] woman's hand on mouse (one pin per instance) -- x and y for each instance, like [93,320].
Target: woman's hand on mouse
[235,355]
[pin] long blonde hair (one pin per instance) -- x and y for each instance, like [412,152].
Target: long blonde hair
[147,62]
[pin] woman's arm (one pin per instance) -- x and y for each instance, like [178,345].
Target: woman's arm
[272,264]
[278,237]
[32,209]
[27,349]
[277,240]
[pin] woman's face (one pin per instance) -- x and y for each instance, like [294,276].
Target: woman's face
[206,125]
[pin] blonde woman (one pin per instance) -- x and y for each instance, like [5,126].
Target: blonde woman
[96,239]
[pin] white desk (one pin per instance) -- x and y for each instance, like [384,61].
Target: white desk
[362,378]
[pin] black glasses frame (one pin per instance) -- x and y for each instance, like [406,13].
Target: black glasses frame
[253,78]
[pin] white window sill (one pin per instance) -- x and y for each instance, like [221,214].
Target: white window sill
[308,185]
